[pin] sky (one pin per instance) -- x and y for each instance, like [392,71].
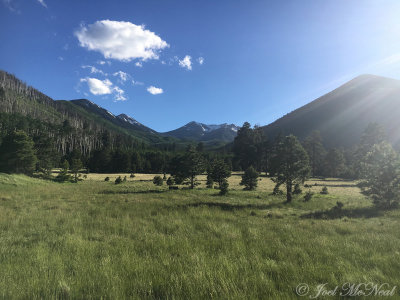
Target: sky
[166,63]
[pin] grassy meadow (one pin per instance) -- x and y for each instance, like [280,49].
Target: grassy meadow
[98,240]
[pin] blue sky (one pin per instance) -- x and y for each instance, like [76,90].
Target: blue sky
[166,63]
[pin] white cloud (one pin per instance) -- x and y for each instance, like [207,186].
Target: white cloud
[122,75]
[94,70]
[139,64]
[186,62]
[154,90]
[42,3]
[119,94]
[97,86]
[104,87]
[121,40]
[200,60]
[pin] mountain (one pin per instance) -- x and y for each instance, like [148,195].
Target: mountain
[121,120]
[342,115]
[89,122]
[204,133]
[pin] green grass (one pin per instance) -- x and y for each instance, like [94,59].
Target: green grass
[95,240]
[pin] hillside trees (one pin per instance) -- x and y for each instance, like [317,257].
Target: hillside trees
[17,153]
[290,164]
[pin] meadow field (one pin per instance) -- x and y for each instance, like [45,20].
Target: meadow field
[98,240]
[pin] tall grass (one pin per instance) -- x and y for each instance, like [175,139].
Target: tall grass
[96,240]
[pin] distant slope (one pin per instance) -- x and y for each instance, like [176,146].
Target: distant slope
[16,97]
[342,115]
[205,133]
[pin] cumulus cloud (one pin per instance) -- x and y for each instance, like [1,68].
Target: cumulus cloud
[93,70]
[186,62]
[139,64]
[97,86]
[119,94]
[42,3]
[122,75]
[154,90]
[121,40]
[104,87]
[200,60]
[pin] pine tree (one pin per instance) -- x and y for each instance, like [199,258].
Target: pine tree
[290,164]
[64,175]
[17,154]
[76,165]
[334,163]
[187,166]
[316,152]
[381,176]
[219,171]
[250,179]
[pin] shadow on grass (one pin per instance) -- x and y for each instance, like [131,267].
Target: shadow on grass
[335,213]
[230,207]
[125,192]
[335,185]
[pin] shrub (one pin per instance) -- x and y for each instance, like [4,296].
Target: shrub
[297,189]
[249,179]
[223,188]
[118,180]
[324,191]
[124,180]
[170,181]
[157,180]
[107,179]
[308,196]
[132,175]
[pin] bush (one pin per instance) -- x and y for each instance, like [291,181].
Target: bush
[170,181]
[249,179]
[308,196]
[157,180]
[223,189]
[118,180]
[107,179]
[324,191]
[124,180]
[297,189]
[132,175]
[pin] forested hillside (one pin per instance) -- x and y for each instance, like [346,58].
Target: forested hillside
[341,115]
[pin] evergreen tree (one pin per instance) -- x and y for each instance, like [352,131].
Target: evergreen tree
[17,154]
[381,176]
[187,166]
[316,152]
[290,164]
[372,135]
[64,175]
[219,171]
[334,163]
[46,155]
[250,179]
[244,147]
[76,165]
